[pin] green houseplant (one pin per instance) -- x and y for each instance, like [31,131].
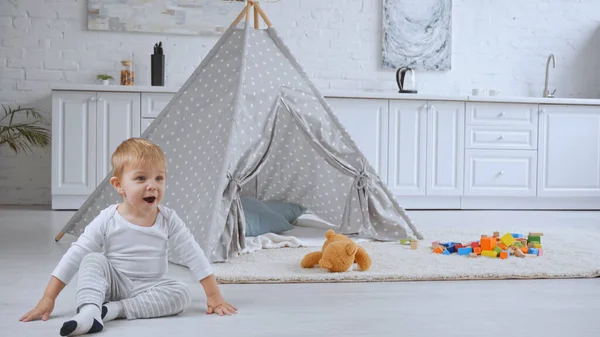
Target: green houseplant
[105,78]
[22,135]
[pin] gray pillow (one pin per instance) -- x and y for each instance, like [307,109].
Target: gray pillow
[260,219]
[289,211]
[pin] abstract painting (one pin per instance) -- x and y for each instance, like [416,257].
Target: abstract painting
[417,34]
[187,17]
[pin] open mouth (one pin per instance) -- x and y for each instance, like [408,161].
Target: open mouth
[149,200]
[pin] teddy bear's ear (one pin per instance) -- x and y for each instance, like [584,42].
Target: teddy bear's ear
[351,248]
[329,234]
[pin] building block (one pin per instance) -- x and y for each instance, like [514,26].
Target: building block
[473,255]
[533,238]
[535,234]
[474,244]
[451,249]
[504,255]
[497,249]
[446,252]
[404,241]
[518,253]
[489,253]
[477,250]
[537,245]
[496,234]
[507,239]
[438,250]
[533,251]
[541,252]
[465,250]
[525,249]
[502,246]
[518,244]
[414,244]
[516,235]
[488,243]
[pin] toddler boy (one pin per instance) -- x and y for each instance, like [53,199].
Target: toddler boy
[122,255]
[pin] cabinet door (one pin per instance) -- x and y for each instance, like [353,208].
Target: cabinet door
[569,151]
[73,143]
[366,121]
[118,119]
[445,148]
[408,146]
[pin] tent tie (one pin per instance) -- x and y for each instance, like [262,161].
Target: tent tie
[234,187]
[361,180]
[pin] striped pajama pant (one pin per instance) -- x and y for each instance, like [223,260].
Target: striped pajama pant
[99,282]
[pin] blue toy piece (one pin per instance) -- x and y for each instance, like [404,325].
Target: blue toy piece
[445,252]
[533,251]
[465,251]
[517,236]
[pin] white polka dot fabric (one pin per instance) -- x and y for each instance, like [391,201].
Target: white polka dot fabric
[249,117]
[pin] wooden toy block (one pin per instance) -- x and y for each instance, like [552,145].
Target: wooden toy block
[496,234]
[533,238]
[541,252]
[525,249]
[502,246]
[533,251]
[435,245]
[438,250]
[473,255]
[507,239]
[516,235]
[518,244]
[445,252]
[474,244]
[536,234]
[477,250]
[518,253]
[537,245]
[497,249]
[504,255]
[531,245]
[465,251]
[489,253]
[483,236]
[488,243]
[414,244]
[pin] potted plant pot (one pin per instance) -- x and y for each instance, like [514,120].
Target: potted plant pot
[106,82]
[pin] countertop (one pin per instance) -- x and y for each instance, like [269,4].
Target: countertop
[373,94]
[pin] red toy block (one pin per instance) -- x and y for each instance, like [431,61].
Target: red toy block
[474,244]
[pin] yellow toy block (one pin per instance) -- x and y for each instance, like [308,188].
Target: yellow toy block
[537,245]
[507,239]
[489,253]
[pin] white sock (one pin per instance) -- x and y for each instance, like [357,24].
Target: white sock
[112,310]
[88,320]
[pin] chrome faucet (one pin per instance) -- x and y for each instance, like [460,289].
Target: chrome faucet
[547,92]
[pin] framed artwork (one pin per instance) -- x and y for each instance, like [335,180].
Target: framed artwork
[186,17]
[417,34]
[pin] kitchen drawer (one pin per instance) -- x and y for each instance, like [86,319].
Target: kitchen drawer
[154,103]
[500,172]
[491,113]
[501,137]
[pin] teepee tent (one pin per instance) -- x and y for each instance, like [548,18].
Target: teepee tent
[249,120]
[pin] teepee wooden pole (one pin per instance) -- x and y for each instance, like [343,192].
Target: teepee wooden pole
[262,14]
[256,23]
[244,11]
[59,236]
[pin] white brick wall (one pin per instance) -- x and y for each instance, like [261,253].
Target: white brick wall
[496,44]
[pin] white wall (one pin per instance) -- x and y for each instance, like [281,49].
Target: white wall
[496,44]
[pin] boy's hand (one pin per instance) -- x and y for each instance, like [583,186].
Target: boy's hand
[217,305]
[43,308]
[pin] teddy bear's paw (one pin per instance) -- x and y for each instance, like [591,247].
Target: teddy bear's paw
[311,260]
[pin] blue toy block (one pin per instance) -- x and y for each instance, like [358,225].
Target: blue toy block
[451,249]
[445,252]
[533,251]
[516,235]
[465,251]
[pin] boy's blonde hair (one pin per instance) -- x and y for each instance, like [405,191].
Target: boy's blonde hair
[136,151]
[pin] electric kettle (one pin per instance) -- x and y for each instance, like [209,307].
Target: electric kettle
[407,86]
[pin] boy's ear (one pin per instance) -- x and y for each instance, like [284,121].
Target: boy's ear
[116,184]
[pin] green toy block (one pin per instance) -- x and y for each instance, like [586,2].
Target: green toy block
[497,249]
[518,244]
[537,239]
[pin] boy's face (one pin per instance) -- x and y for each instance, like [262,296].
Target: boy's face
[141,186]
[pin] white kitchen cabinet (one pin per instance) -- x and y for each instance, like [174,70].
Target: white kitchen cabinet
[73,146]
[118,119]
[367,123]
[407,147]
[445,148]
[87,127]
[569,151]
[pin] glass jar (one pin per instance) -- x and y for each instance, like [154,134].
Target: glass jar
[127,73]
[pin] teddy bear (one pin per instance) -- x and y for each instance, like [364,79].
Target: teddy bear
[338,254]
